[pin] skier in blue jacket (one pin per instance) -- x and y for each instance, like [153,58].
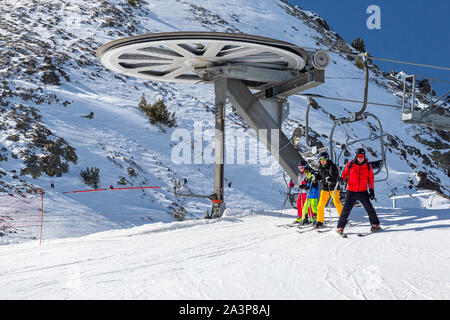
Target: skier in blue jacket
[312,197]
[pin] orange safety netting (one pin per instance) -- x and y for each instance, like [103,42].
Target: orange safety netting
[19,210]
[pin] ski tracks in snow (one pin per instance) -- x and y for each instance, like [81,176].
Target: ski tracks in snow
[242,255]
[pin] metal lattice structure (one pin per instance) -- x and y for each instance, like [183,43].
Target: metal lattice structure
[428,116]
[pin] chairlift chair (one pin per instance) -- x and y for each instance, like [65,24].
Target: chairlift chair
[361,115]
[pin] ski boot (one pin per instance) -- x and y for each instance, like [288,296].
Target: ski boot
[375,228]
[298,220]
[318,224]
[304,222]
[340,231]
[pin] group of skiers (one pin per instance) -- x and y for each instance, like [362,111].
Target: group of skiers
[358,174]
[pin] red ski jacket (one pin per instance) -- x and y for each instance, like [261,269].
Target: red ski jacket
[359,176]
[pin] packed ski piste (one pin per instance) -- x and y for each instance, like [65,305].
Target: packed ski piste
[116,115]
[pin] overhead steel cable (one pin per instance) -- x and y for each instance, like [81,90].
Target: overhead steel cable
[386,59]
[431,78]
[347,100]
[411,63]
[370,57]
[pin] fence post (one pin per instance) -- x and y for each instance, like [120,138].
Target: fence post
[430,201]
[42,214]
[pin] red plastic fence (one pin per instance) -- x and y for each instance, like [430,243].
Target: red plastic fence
[111,189]
[21,210]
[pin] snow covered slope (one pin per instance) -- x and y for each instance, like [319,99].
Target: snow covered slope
[243,255]
[51,79]
[128,244]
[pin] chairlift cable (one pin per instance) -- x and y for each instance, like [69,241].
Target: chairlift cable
[391,60]
[431,78]
[345,78]
[347,100]
[374,58]
[411,63]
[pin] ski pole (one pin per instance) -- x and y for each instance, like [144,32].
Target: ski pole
[328,203]
[284,203]
[306,200]
[337,185]
[302,203]
[335,188]
[285,199]
[332,197]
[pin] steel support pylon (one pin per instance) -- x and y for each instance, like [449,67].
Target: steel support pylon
[267,129]
[220,89]
[261,119]
[234,63]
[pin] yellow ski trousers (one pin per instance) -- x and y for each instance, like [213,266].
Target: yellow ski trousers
[324,196]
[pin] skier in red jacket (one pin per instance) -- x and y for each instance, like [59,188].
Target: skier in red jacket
[359,173]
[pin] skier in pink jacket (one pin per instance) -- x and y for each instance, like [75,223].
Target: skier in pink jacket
[301,184]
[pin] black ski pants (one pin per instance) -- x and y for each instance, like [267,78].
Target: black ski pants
[350,199]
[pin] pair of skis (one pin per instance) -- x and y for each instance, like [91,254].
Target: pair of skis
[321,229]
[305,228]
[326,228]
[298,225]
[362,234]
[289,225]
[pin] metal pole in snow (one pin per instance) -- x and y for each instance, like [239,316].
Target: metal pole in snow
[42,214]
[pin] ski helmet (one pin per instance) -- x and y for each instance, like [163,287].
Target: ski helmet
[324,155]
[360,151]
[302,165]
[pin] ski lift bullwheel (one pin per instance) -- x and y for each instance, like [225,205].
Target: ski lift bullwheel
[216,58]
[175,56]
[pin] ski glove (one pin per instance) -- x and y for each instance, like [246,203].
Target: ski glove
[328,180]
[372,194]
[291,184]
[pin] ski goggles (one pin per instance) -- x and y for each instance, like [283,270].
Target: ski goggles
[301,168]
[361,156]
[323,159]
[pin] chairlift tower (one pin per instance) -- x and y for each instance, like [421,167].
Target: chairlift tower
[235,64]
[427,116]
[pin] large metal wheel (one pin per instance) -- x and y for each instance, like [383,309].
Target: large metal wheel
[174,57]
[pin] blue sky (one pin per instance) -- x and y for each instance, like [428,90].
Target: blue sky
[414,30]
